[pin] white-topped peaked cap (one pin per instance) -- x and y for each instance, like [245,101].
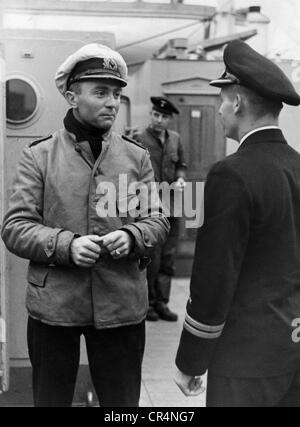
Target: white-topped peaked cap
[92,61]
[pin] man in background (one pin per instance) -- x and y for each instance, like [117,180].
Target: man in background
[167,158]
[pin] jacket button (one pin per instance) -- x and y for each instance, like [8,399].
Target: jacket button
[146,238]
[96,230]
[50,245]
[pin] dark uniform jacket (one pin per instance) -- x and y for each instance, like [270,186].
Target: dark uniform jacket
[167,159]
[245,286]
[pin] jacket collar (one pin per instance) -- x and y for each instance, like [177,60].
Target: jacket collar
[264,136]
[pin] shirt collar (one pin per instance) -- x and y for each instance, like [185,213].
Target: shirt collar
[157,135]
[257,130]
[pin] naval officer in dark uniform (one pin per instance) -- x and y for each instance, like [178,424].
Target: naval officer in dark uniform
[167,158]
[245,286]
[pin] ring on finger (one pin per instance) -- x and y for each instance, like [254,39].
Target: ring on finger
[117,253]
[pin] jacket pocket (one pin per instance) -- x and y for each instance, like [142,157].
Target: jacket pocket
[37,274]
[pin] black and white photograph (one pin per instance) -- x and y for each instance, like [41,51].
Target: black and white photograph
[150,206]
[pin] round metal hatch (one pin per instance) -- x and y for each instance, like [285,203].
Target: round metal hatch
[22,100]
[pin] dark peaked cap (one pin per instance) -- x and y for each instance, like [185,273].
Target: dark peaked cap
[163,105]
[248,68]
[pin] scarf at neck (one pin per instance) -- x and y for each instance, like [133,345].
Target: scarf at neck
[82,133]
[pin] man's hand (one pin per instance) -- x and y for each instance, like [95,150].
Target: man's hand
[119,243]
[189,385]
[180,184]
[85,251]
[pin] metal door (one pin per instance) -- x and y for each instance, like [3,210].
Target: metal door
[204,144]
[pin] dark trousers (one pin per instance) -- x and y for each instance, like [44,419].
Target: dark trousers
[162,268]
[281,391]
[115,361]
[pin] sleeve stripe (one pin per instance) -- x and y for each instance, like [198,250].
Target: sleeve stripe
[201,327]
[200,334]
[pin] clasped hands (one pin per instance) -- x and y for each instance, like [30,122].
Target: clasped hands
[86,250]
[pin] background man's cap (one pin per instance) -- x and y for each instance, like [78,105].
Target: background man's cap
[246,67]
[92,61]
[163,105]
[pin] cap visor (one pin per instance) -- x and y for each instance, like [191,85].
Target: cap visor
[122,82]
[161,110]
[221,82]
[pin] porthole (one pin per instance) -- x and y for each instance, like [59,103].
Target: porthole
[22,100]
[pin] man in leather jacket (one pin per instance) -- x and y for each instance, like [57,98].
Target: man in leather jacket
[87,272]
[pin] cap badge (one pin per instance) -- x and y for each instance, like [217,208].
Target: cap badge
[110,64]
